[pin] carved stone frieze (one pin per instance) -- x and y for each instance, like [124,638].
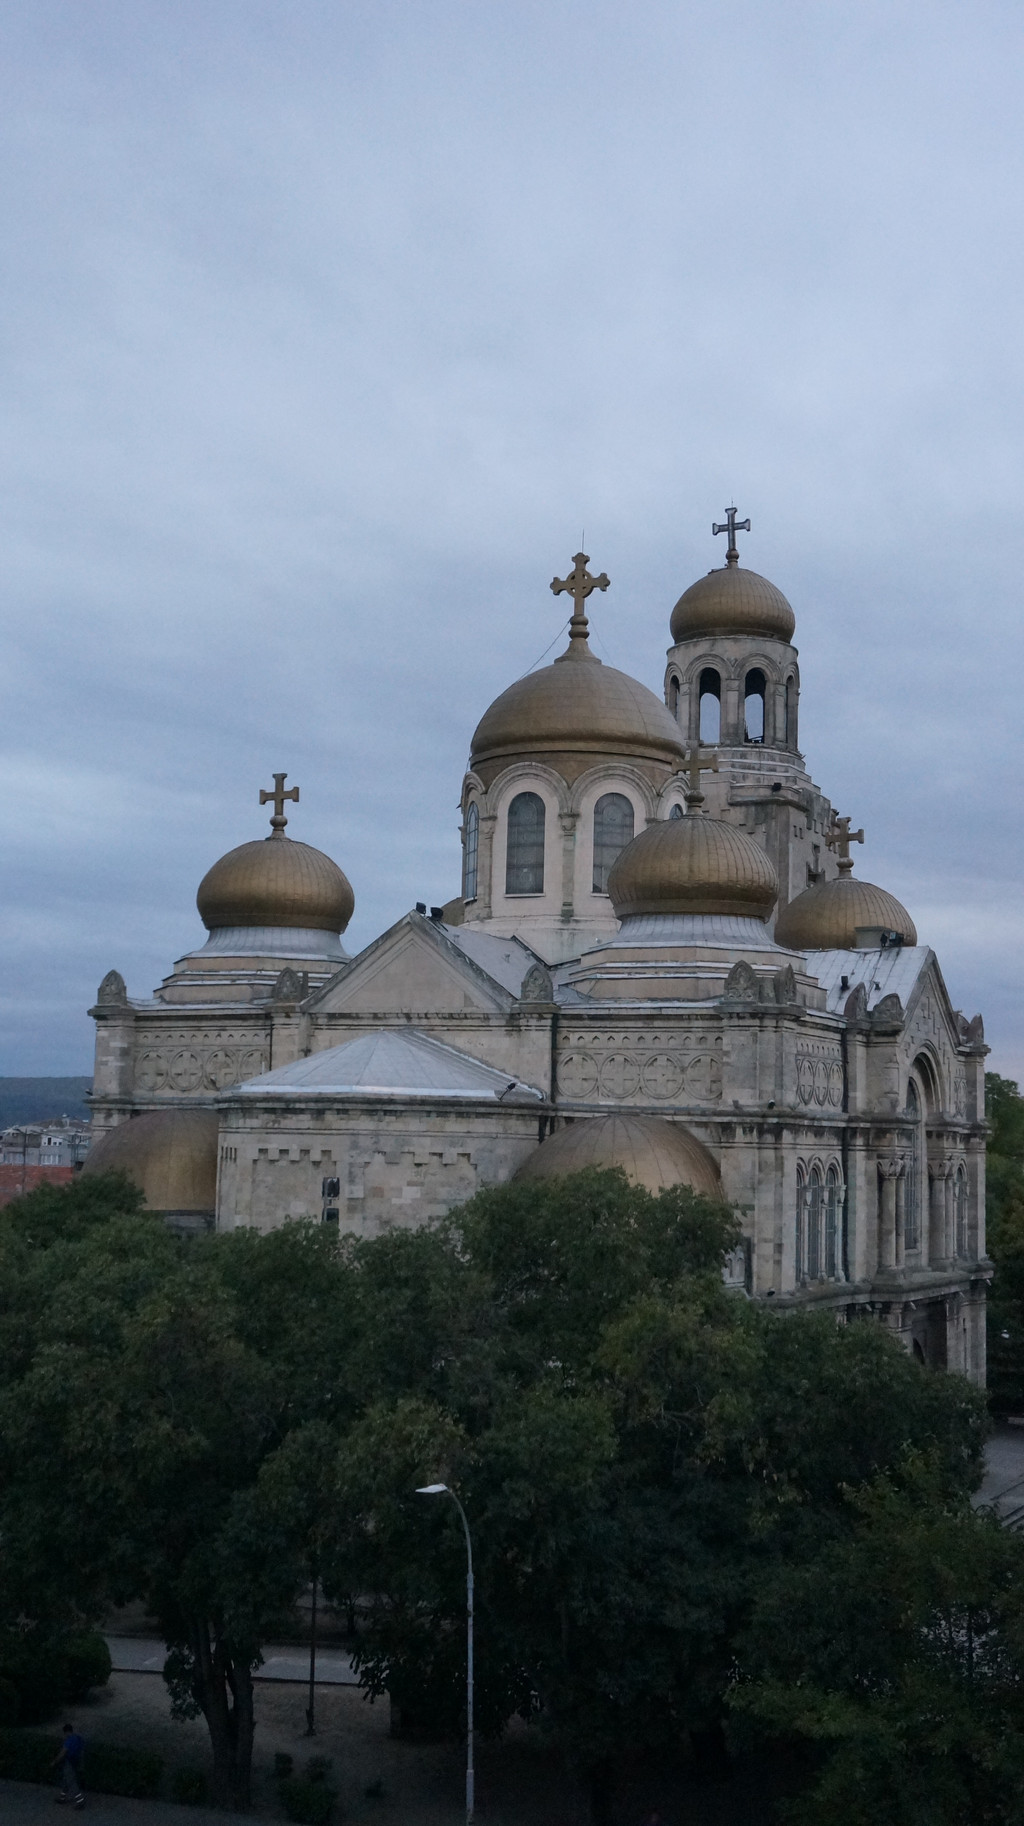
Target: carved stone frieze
[189,1069]
[641,1068]
[819,1078]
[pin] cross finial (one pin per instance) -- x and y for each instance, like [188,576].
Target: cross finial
[732,526]
[839,837]
[698,761]
[277,799]
[579,584]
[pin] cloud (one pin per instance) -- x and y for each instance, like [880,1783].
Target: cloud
[327,332]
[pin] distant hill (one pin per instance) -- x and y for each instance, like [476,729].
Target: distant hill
[41,1099]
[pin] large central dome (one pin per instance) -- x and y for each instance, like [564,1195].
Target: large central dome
[569,712]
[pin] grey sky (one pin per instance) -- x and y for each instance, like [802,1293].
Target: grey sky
[329,327]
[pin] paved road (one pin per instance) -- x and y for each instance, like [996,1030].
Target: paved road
[1003,1484]
[145,1655]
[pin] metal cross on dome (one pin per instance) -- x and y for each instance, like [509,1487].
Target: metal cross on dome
[839,837]
[277,799]
[579,585]
[698,761]
[732,526]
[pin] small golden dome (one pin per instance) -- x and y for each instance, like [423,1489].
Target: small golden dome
[274,881]
[651,1153]
[579,706]
[171,1155]
[693,865]
[826,917]
[733,601]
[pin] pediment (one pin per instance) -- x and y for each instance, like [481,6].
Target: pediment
[411,970]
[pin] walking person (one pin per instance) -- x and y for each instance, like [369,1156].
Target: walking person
[69,1760]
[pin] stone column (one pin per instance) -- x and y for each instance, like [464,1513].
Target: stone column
[485,865]
[949,1205]
[568,822]
[888,1170]
[938,1250]
[901,1213]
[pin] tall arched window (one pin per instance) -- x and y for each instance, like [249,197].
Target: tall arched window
[833,1220]
[815,1203]
[709,715]
[470,854]
[914,1177]
[801,1224]
[673,696]
[613,829]
[524,847]
[754,687]
[960,1211]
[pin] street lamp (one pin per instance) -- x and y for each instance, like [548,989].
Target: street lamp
[443,1490]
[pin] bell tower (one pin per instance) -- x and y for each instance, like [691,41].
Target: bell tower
[733,684]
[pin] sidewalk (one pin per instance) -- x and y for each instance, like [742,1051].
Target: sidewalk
[146,1655]
[27,1804]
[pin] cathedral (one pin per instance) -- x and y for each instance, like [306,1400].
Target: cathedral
[662,958]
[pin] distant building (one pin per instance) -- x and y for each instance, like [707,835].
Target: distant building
[41,1153]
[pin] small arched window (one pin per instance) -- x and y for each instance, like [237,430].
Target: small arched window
[913,1178]
[960,1211]
[676,812]
[470,853]
[709,723]
[815,1212]
[613,829]
[801,1224]
[833,1218]
[754,688]
[524,847]
[673,696]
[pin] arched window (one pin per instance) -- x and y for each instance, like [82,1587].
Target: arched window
[613,829]
[524,848]
[673,696]
[815,1203]
[470,853]
[914,1177]
[709,723]
[754,688]
[960,1211]
[833,1220]
[801,1224]
[790,713]
[676,812]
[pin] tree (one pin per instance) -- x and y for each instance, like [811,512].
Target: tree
[895,1655]
[142,1395]
[633,1444]
[1004,1217]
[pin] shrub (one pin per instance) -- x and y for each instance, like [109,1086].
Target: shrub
[112,1769]
[283,1765]
[87,1664]
[309,1802]
[188,1786]
[27,1756]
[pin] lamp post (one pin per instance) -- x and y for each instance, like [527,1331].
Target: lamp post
[443,1490]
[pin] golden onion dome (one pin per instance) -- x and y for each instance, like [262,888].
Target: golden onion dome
[576,706]
[827,916]
[693,865]
[651,1152]
[274,881]
[171,1155]
[733,601]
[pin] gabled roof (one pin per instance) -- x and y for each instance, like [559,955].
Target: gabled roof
[894,971]
[457,966]
[389,1064]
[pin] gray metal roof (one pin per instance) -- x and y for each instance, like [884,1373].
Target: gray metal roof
[389,1064]
[507,960]
[894,971]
